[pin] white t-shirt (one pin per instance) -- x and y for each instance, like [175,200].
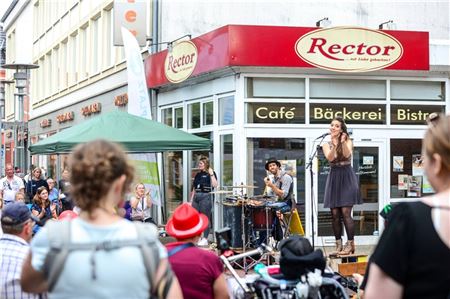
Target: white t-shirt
[120,273]
[10,187]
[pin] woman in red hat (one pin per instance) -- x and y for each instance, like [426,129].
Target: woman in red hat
[199,272]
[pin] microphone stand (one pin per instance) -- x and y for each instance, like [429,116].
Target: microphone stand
[311,173]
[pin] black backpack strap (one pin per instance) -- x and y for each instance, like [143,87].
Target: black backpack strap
[58,234]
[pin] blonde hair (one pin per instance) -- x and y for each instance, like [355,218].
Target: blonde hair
[437,141]
[205,161]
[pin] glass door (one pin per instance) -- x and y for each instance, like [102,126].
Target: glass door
[366,162]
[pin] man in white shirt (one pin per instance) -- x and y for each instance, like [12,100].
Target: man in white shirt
[10,185]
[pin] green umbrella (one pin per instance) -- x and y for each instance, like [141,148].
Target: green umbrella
[136,134]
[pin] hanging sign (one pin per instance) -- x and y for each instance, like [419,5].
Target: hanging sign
[181,61]
[349,49]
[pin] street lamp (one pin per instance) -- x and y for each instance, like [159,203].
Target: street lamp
[3,82]
[21,77]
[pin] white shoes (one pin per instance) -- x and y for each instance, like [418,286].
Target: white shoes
[203,242]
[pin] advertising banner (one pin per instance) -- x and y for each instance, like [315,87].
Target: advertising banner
[146,165]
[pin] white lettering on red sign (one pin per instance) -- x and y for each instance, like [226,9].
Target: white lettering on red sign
[349,49]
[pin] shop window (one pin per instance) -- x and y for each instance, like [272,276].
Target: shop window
[196,155]
[208,113]
[276,113]
[275,88]
[408,178]
[291,154]
[418,91]
[166,116]
[347,89]
[178,117]
[173,183]
[226,110]
[194,115]
[413,114]
[226,145]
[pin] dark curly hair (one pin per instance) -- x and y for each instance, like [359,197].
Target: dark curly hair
[339,151]
[94,166]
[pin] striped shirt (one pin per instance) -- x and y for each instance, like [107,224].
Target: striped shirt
[13,251]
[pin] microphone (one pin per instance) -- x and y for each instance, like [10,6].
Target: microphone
[323,135]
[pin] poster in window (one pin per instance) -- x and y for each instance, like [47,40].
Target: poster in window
[414,186]
[426,186]
[417,165]
[397,163]
[367,160]
[402,182]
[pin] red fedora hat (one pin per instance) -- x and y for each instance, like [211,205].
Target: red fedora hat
[186,222]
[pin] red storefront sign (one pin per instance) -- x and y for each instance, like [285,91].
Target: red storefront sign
[275,46]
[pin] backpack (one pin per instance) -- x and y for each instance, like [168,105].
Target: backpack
[59,236]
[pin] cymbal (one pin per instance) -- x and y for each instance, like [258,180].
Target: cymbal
[244,186]
[263,197]
[221,192]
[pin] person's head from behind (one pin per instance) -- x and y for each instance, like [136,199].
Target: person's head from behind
[18,220]
[436,152]
[19,197]
[186,224]
[100,175]
[41,196]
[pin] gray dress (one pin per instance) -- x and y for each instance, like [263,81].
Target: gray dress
[341,189]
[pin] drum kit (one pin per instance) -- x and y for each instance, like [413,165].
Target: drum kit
[247,216]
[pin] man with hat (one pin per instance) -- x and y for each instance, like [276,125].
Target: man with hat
[199,272]
[17,224]
[280,186]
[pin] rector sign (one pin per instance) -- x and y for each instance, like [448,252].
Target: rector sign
[349,49]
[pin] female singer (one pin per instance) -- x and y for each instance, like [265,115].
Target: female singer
[341,189]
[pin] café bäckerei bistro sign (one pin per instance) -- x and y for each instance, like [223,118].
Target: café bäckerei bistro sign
[321,113]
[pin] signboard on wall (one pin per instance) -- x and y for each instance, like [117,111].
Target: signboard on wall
[351,113]
[349,49]
[276,113]
[131,15]
[300,47]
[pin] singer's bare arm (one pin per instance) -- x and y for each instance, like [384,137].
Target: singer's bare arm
[330,153]
[347,145]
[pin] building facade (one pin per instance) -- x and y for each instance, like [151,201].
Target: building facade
[253,108]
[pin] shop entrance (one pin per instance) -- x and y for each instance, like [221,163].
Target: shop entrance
[367,164]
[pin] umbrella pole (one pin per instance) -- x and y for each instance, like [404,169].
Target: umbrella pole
[163,191]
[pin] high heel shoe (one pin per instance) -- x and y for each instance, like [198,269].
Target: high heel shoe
[349,248]
[337,249]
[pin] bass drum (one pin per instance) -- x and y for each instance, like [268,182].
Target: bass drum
[232,218]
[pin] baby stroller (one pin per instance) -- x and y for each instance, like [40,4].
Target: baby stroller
[303,275]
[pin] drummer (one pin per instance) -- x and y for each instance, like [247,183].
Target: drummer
[281,185]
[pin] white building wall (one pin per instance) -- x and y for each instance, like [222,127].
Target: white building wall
[197,17]
[18,37]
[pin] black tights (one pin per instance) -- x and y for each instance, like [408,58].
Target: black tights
[346,214]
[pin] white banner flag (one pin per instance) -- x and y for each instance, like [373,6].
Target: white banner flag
[146,165]
[138,100]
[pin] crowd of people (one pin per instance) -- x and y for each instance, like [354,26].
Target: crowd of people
[98,253]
